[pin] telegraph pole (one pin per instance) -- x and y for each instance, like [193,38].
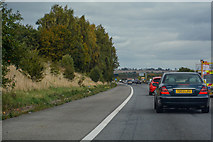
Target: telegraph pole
[201,68]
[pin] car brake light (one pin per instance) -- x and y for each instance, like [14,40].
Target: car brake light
[203,90]
[164,90]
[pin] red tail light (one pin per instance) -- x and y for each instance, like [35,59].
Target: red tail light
[203,90]
[164,90]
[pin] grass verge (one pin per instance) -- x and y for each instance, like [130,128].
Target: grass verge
[19,102]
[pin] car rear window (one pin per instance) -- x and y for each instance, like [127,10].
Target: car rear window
[155,84]
[156,80]
[182,79]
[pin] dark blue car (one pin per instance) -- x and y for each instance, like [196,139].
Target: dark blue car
[181,90]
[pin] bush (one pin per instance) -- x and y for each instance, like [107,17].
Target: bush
[69,73]
[32,65]
[54,69]
[182,69]
[67,61]
[68,64]
[95,74]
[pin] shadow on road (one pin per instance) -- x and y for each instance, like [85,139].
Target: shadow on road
[183,111]
[168,111]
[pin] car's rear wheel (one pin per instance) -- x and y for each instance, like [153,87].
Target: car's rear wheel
[205,110]
[150,93]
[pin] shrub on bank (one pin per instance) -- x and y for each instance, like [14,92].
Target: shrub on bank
[68,64]
[33,65]
[54,69]
[95,74]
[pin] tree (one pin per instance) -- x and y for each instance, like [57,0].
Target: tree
[182,69]
[67,63]
[28,35]
[61,33]
[108,58]
[94,49]
[57,16]
[19,46]
[56,32]
[52,42]
[95,74]
[33,65]
[10,22]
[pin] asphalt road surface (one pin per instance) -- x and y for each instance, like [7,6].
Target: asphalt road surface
[138,121]
[71,121]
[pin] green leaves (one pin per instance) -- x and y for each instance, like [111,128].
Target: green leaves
[182,69]
[10,23]
[90,46]
[33,66]
[108,58]
[95,74]
[82,47]
[67,63]
[52,42]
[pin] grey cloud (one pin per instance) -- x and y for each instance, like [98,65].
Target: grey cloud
[145,34]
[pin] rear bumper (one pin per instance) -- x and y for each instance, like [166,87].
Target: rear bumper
[192,101]
[152,89]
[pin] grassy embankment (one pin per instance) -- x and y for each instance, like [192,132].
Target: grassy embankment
[28,97]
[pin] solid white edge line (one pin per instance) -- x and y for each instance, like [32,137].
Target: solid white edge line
[104,123]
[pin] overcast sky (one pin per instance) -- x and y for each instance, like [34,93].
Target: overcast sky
[167,35]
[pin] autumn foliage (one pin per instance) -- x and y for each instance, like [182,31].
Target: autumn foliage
[59,33]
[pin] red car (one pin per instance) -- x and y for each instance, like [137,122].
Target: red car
[153,84]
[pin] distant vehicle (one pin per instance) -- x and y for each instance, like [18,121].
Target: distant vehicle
[208,79]
[181,90]
[129,82]
[133,81]
[125,81]
[153,84]
[137,81]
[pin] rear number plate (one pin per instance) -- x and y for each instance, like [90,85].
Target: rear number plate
[183,91]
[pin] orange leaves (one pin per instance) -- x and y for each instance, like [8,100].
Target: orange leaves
[89,45]
[52,41]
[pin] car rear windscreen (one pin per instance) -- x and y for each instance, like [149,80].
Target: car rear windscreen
[155,84]
[156,80]
[182,79]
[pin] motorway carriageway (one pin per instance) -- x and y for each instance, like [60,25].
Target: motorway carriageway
[137,120]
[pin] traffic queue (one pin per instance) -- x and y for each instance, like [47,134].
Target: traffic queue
[179,90]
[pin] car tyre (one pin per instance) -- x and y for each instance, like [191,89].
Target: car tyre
[150,93]
[205,110]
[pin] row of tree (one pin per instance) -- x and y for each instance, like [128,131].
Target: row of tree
[59,33]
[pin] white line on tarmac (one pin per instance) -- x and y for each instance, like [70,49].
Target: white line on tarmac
[104,123]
